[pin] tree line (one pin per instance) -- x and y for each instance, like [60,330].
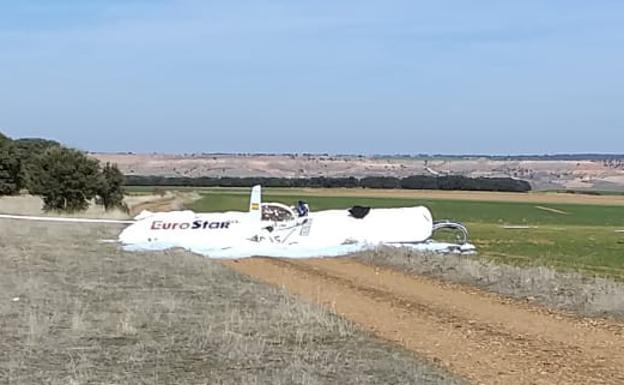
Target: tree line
[415,182]
[65,178]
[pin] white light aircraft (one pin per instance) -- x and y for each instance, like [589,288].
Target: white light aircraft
[275,229]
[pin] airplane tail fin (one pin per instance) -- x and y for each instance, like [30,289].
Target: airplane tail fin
[255,202]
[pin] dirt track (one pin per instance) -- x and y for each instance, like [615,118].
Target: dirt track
[483,337]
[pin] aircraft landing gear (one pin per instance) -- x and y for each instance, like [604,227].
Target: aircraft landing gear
[459,228]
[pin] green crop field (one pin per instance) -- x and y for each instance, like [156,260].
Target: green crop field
[581,237]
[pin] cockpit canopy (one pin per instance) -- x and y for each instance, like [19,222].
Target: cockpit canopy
[277,212]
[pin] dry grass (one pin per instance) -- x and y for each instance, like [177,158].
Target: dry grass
[32,205]
[76,311]
[570,291]
[168,201]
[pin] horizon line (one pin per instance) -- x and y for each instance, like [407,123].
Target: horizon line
[374,155]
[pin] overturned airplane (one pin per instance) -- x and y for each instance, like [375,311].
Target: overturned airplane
[275,229]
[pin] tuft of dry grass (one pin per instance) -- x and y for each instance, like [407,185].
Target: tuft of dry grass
[593,296]
[33,205]
[77,311]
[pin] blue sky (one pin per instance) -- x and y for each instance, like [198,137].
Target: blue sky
[352,76]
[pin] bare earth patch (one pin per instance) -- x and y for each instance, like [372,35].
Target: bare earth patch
[481,336]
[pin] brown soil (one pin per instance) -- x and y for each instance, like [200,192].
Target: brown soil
[480,336]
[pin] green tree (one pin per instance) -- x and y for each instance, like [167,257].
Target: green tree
[65,178]
[110,192]
[10,169]
[4,139]
[34,146]
[28,150]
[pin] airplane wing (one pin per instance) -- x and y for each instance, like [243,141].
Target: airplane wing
[63,219]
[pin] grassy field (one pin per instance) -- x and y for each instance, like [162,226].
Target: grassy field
[581,237]
[479,196]
[74,310]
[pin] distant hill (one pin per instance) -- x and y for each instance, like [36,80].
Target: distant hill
[562,172]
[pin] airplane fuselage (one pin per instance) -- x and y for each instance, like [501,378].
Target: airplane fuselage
[324,228]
